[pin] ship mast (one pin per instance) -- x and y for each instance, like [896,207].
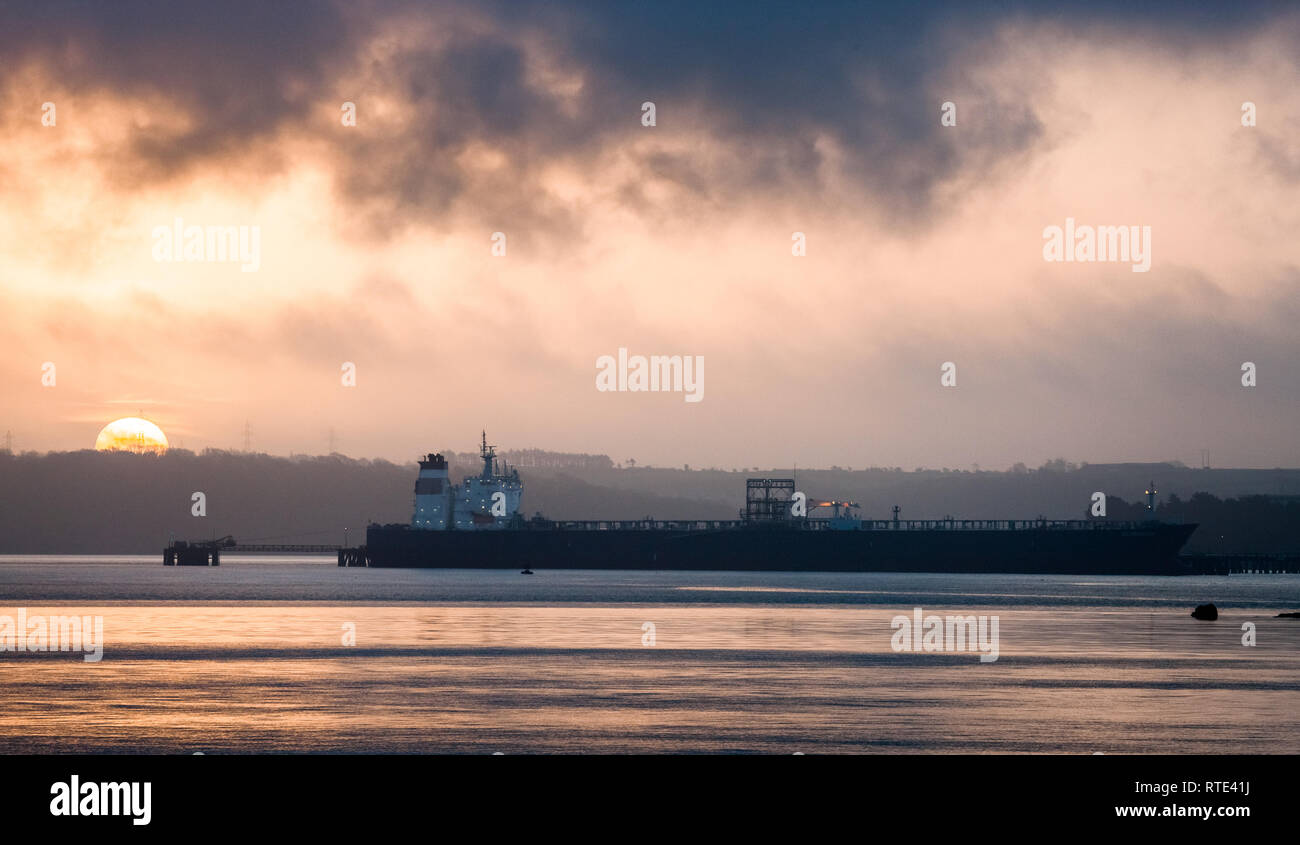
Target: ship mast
[488,454]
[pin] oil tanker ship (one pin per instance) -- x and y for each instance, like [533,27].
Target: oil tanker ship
[477,524]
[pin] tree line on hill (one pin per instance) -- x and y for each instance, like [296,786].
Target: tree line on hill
[101,503]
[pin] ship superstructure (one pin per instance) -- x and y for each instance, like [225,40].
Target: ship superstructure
[489,500]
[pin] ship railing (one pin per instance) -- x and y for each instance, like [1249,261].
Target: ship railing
[642,524]
[826,524]
[999,525]
[273,548]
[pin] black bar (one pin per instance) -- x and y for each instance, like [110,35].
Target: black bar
[987,794]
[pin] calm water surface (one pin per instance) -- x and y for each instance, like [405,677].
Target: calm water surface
[251,656]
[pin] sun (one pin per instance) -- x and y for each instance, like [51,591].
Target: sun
[131,434]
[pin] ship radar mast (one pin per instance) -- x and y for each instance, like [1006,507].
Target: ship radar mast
[489,456]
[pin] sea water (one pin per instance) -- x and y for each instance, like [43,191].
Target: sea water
[298,655]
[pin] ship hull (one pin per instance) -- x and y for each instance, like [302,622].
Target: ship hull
[1145,550]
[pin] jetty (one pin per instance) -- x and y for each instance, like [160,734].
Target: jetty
[208,552]
[1240,564]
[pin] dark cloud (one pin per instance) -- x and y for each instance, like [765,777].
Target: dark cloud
[768,78]
[229,69]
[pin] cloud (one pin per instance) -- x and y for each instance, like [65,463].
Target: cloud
[476,118]
[539,87]
[561,84]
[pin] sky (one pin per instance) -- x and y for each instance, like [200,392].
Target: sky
[380,315]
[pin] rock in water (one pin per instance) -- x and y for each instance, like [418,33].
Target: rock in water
[1206,611]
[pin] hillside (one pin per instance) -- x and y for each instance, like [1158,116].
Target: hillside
[96,503]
